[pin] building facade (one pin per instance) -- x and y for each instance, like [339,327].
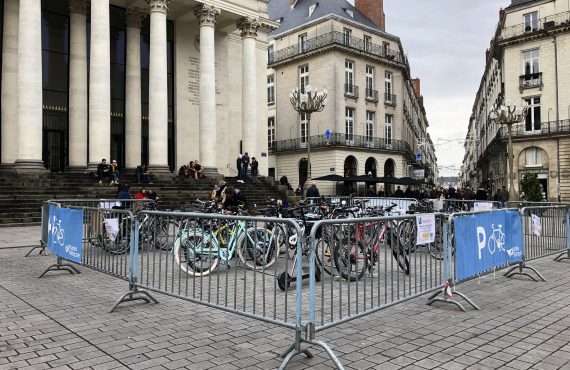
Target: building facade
[159,82]
[527,63]
[374,121]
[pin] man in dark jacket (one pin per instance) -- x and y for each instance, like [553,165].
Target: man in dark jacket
[399,193]
[245,164]
[254,169]
[103,170]
[313,192]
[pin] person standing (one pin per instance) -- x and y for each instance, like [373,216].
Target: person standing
[254,169]
[313,192]
[239,167]
[245,164]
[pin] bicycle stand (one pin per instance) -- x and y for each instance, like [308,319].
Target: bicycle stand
[563,256]
[131,295]
[295,349]
[512,271]
[448,298]
[59,266]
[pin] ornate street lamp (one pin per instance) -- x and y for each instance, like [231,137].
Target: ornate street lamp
[508,115]
[308,102]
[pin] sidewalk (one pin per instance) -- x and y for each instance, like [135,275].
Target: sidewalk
[62,321]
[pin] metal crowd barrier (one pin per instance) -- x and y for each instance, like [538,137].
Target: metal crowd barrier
[460,205]
[545,231]
[403,203]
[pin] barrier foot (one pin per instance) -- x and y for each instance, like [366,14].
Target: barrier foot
[132,295]
[61,267]
[513,271]
[562,256]
[293,351]
[447,298]
[42,249]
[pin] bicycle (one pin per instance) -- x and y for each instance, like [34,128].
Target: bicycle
[497,238]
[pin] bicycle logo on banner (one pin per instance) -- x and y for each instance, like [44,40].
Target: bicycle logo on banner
[57,232]
[495,243]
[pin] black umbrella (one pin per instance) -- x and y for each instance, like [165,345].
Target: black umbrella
[332,178]
[409,181]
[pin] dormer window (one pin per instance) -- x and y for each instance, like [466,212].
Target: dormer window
[349,12]
[312,9]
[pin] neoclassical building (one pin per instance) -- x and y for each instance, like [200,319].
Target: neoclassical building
[374,121]
[160,82]
[528,62]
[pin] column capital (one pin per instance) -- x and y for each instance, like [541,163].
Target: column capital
[207,14]
[78,7]
[158,6]
[248,27]
[135,17]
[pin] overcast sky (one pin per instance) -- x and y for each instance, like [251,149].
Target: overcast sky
[445,41]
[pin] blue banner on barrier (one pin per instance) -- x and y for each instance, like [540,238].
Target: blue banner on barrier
[65,233]
[484,241]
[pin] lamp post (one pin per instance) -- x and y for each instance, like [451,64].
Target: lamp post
[508,115]
[308,102]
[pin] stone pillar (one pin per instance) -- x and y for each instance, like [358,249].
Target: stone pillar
[158,89]
[207,15]
[133,121]
[99,84]
[248,27]
[30,88]
[10,78]
[78,86]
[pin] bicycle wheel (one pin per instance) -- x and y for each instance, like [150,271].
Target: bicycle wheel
[350,259]
[196,254]
[435,249]
[399,253]
[257,247]
[164,235]
[408,235]
[325,255]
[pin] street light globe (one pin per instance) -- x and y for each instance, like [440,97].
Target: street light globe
[308,88]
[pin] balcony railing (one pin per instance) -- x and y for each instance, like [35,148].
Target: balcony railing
[342,140]
[546,129]
[530,80]
[535,26]
[372,95]
[390,99]
[351,91]
[336,38]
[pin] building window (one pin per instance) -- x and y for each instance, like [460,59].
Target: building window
[533,157]
[303,77]
[312,9]
[349,124]
[349,77]
[531,22]
[385,48]
[370,126]
[346,36]
[530,62]
[303,43]
[271,89]
[270,52]
[533,116]
[369,82]
[270,132]
[367,43]
[388,129]
[388,96]
[303,127]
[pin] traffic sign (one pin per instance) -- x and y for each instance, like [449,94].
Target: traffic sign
[419,156]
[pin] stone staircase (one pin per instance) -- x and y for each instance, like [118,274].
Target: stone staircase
[21,196]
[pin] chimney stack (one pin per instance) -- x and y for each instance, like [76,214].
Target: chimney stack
[417,86]
[373,9]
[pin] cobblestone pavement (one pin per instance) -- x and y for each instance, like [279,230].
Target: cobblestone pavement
[62,321]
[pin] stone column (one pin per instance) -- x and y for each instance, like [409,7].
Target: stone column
[77,85]
[248,27]
[30,88]
[158,89]
[207,15]
[133,121]
[99,84]
[9,82]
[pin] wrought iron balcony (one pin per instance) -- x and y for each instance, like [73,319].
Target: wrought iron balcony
[335,38]
[342,140]
[546,129]
[351,91]
[541,24]
[390,99]
[530,81]
[372,95]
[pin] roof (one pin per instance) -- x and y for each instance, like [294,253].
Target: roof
[291,18]
[517,3]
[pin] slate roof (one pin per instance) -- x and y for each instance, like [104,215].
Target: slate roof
[299,15]
[517,3]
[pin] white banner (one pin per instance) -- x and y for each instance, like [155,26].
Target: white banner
[112,227]
[425,224]
[483,206]
[536,225]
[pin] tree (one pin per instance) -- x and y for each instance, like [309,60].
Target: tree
[531,188]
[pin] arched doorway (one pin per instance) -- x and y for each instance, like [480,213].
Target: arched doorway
[370,169]
[389,171]
[350,170]
[303,171]
[535,160]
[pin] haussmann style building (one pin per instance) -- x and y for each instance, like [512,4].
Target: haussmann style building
[528,62]
[374,121]
[159,82]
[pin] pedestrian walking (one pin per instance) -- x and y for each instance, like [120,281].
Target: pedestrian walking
[254,169]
